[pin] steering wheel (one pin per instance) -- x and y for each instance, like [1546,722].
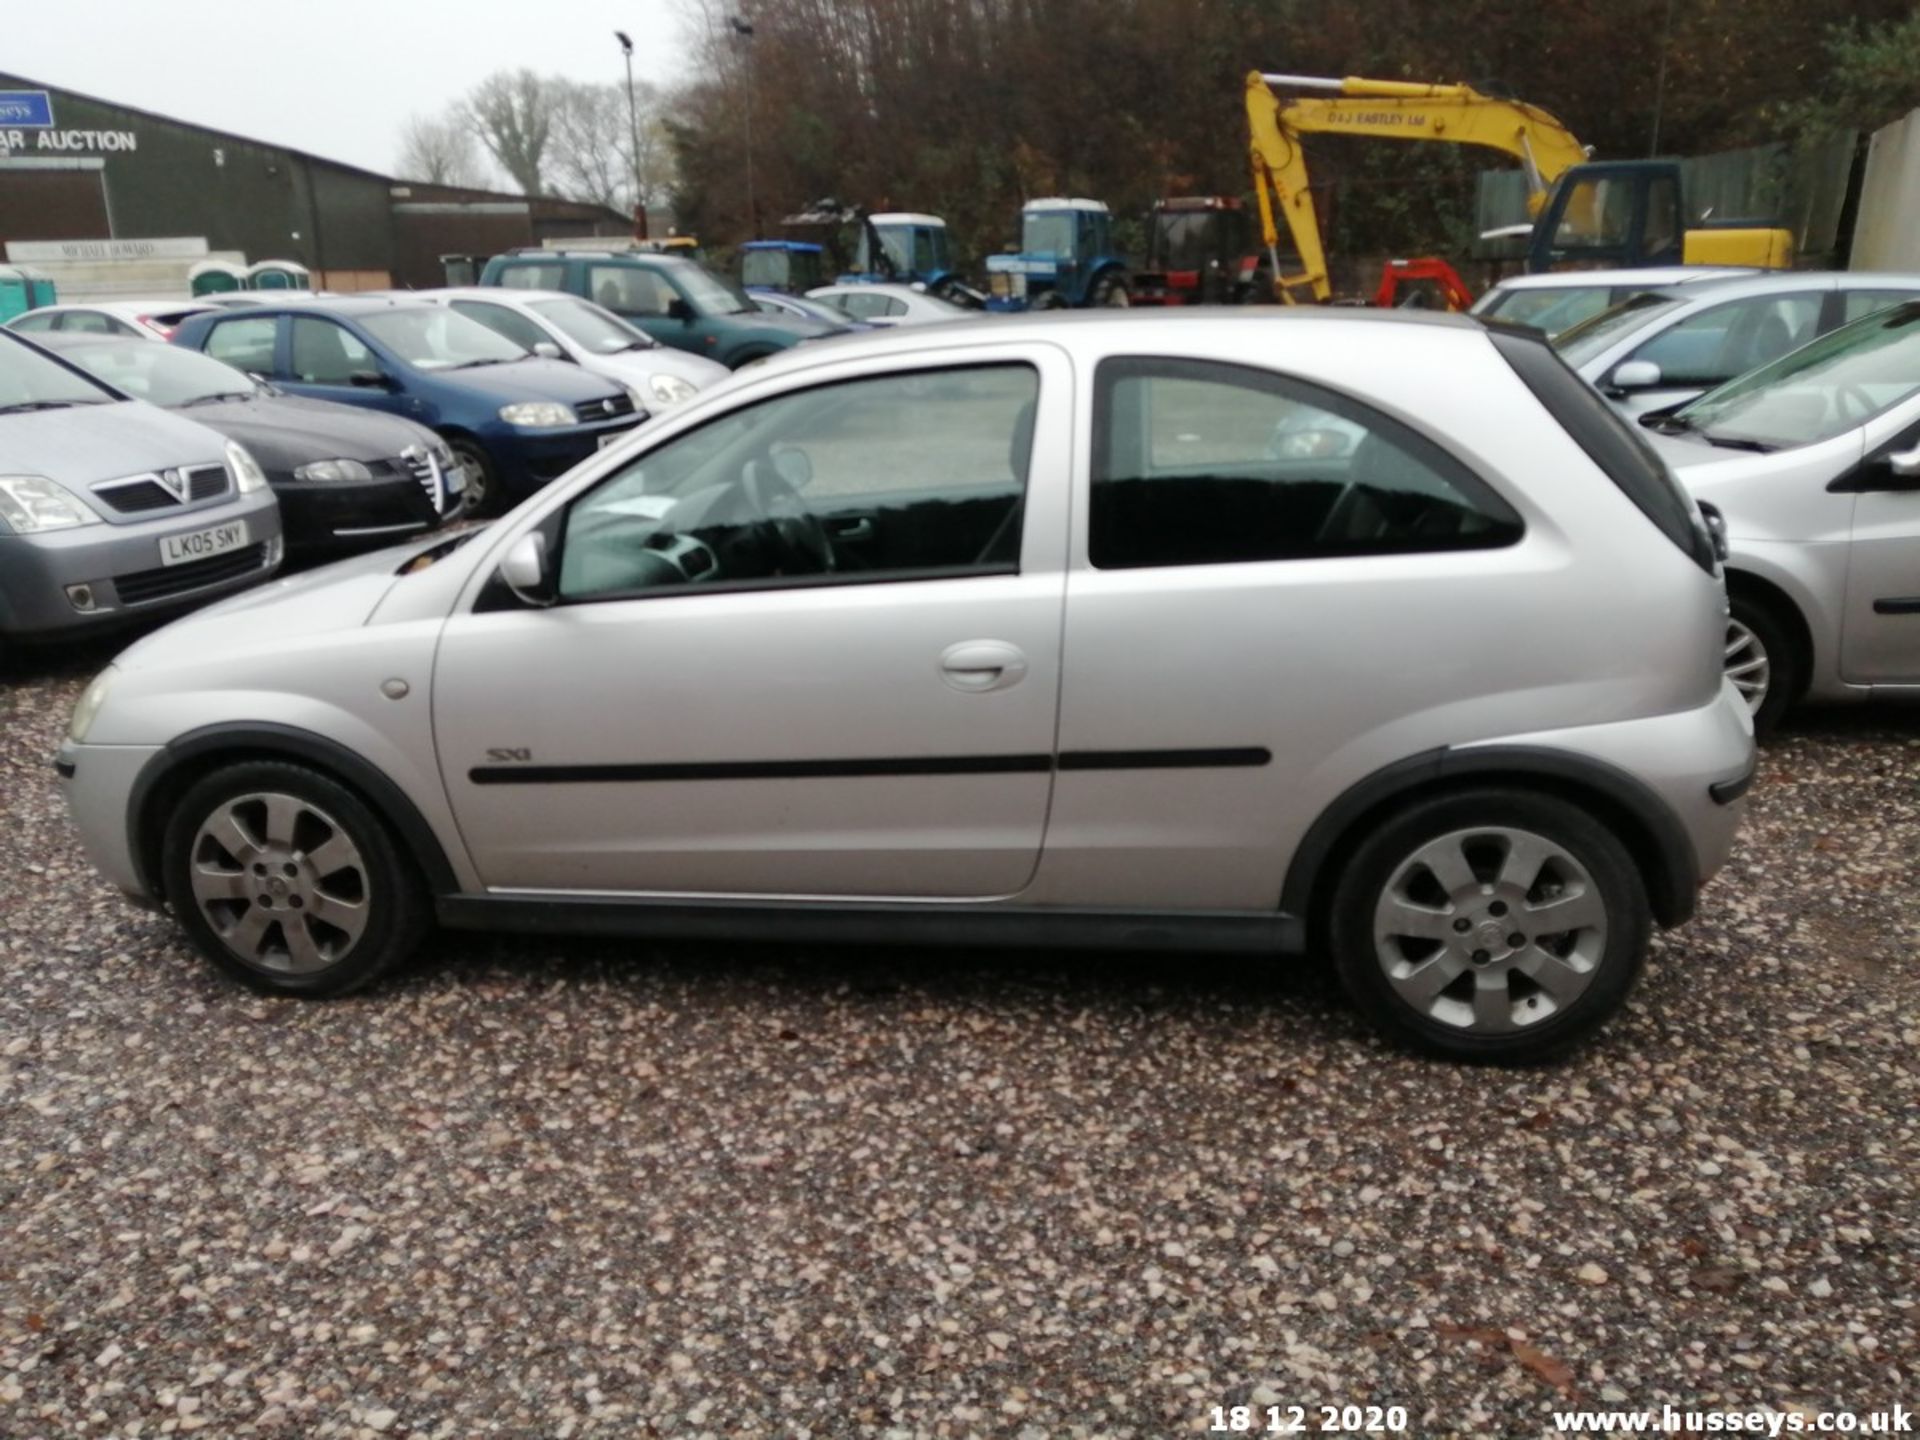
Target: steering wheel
[794,534]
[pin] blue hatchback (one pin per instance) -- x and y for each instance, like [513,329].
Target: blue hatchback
[513,420]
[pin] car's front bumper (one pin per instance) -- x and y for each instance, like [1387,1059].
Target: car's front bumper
[120,568]
[99,783]
[527,459]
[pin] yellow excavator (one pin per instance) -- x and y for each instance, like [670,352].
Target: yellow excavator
[1586,214]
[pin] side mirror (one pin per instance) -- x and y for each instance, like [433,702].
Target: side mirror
[680,310]
[1635,375]
[524,570]
[1905,464]
[370,380]
[547,350]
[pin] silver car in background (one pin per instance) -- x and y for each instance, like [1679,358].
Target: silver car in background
[113,510]
[558,326]
[1011,631]
[1561,299]
[1661,349]
[1813,465]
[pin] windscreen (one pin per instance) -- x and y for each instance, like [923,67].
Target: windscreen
[1590,338]
[587,325]
[1821,390]
[436,338]
[30,381]
[163,374]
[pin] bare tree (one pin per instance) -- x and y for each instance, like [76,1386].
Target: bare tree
[591,145]
[512,113]
[437,151]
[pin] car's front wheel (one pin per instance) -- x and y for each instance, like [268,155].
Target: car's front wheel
[483,482]
[1490,925]
[1764,660]
[287,881]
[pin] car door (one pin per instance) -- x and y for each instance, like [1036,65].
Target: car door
[706,710]
[1271,572]
[642,297]
[1880,644]
[327,361]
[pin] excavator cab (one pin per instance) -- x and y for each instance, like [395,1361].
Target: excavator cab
[1623,214]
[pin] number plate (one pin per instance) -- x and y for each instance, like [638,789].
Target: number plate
[456,479]
[202,544]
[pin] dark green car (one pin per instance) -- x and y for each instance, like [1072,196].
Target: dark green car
[678,302]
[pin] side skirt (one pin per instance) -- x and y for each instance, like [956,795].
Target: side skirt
[879,923]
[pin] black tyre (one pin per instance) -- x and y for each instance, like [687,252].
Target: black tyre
[483,481]
[1490,925]
[288,882]
[1111,291]
[1765,660]
[747,357]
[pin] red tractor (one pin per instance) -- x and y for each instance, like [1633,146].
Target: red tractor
[1201,250]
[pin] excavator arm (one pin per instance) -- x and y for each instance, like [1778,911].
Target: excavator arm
[1383,109]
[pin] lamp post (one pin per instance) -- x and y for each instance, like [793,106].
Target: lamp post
[633,125]
[744,29]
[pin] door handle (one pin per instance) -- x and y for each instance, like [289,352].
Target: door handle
[861,529]
[979,665]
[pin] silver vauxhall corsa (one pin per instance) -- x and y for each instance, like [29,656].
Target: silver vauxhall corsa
[998,631]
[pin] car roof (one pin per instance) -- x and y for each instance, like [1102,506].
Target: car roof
[1647,277]
[498,294]
[136,305]
[1773,282]
[868,287]
[350,305]
[582,252]
[80,340]
[1152,327]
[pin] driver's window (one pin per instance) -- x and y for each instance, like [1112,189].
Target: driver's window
[900,477]
[1199,463]
[628,290]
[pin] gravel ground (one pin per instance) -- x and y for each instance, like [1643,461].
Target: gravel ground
[547,1190]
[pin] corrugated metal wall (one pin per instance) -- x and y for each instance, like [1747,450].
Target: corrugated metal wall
[1885,233]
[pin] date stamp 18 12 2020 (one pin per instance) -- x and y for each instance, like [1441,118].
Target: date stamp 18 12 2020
[1309,1420]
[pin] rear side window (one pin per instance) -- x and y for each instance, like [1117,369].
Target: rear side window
[244,344]
[536,276]
[1609,441]
[1857,303]
[1723,341]
[1202,463]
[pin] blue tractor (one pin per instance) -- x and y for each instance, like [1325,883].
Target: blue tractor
[895,245]
[1066,259]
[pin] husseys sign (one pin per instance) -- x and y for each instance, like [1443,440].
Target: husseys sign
[26,125]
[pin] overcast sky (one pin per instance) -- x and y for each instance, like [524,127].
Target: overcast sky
[336,77]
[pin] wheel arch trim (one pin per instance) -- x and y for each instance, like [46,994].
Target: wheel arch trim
[1654,835]
[267,740]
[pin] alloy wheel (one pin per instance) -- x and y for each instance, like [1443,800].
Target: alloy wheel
[1748,665]
[281,883]
[1490,931]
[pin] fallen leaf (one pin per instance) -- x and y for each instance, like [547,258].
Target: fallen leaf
[1544,1366]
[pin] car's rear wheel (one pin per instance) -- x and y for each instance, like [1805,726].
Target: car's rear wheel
[1764,660]
[483,482]
[288,882]
[1490,925]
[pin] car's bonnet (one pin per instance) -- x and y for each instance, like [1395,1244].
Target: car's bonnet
[285,430]
[277,614]
[86,443]
[530,379]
